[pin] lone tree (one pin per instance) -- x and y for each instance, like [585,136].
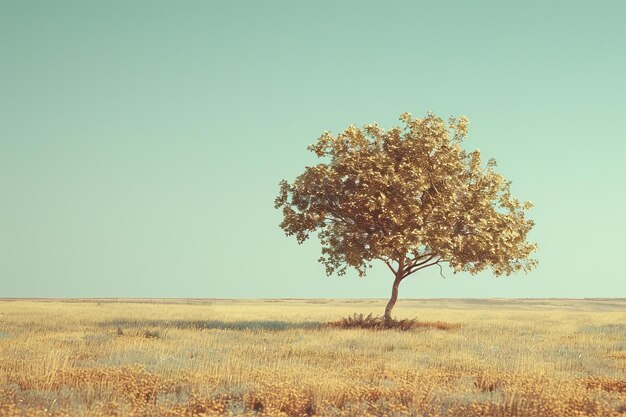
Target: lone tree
[410,197]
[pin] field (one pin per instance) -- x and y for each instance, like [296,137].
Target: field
[271,357]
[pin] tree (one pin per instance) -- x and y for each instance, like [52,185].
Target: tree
[410,197]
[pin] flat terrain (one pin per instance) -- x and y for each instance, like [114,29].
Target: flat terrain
[271,357]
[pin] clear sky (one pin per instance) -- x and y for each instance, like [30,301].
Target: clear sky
[142,142]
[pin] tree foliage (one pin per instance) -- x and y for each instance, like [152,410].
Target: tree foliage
[411,197]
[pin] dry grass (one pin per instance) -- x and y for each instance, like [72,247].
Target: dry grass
[273,358]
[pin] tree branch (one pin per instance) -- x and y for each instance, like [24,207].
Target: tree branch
[416,259]
[409,270]
[333,220]
[425,266]
[422,266]
[430,176]
[440,269]
[432,183]
[389,265]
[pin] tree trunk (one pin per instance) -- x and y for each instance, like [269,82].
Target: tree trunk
[394,296]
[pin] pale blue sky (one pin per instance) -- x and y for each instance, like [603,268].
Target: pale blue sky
[141,143]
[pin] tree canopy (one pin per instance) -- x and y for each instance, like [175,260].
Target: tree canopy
[410,197]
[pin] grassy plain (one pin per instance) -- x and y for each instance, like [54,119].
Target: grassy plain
[270,357]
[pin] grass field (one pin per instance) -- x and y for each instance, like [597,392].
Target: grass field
[270,357]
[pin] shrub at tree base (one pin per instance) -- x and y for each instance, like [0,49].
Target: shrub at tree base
[359,321]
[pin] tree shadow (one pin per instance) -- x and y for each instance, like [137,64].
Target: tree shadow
[265,325]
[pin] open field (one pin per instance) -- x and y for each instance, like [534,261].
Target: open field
[269,357]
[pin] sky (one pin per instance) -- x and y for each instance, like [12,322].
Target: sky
[142,143]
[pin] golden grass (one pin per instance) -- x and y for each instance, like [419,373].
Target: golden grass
[272,358]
